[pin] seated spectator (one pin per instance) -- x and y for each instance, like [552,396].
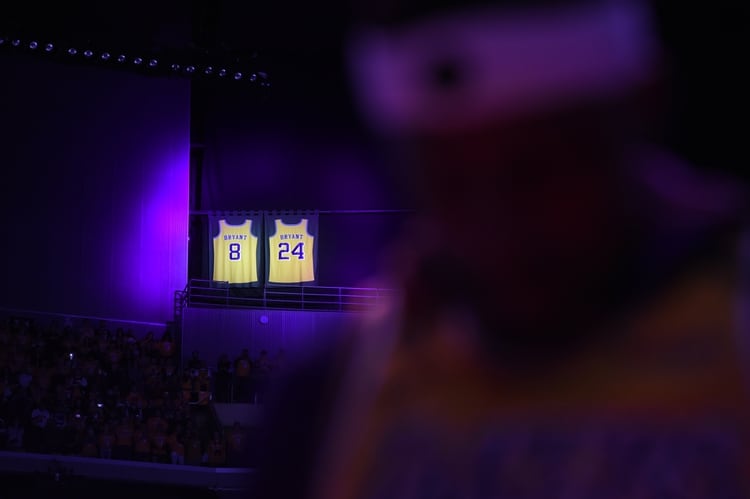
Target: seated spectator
[106,400]
[106,442]
[89,447]
[119,337]
[134,400]
[204,387]
[243,367]
[194,453]
[170,377]
[124,439]
[25,375]
[130,338]
[223,379]
[236,445]
[103,330]
[159,450]
[178,451]
[114,354]
[166,345]
[3,434]
[263,364]
[58,431]
[156,424]
[37,430]
[194,363]
[181,411]
[16,436]
[148,345]
[176,448]
[216,451]
[142,444]
[79,383]
[77,435]
[187,389]
[262,374]
[42,375]
[86,332]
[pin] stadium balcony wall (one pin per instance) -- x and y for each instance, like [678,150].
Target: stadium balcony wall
[227,482]
[216,319]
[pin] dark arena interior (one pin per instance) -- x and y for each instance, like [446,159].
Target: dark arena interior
[373,249]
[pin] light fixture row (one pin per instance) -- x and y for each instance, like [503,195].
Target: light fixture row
[119,58]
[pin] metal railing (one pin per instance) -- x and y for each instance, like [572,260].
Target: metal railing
[206,293]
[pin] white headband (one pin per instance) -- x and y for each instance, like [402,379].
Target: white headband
[508,62]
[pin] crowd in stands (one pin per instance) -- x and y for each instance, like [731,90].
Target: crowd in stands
[246,379]
[86,390]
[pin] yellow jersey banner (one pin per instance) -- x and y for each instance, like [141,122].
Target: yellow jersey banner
[291,248]
[235,257]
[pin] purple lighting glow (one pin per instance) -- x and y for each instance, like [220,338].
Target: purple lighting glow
[158,237]
[117,144]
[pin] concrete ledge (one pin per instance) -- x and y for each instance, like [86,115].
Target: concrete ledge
[246,414]
[112,469]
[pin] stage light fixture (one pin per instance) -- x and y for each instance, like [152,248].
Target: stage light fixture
[151,62]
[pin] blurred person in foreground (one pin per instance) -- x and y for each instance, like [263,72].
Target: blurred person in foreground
[568,324]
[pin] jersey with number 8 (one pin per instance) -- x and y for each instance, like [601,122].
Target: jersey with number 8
[235,253]
[291,253]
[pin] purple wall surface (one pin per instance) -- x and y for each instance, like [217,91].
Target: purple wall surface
[289,154]
[94,190]
[213,332]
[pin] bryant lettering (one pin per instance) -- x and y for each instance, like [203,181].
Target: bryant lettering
[291,236]
[234,237]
